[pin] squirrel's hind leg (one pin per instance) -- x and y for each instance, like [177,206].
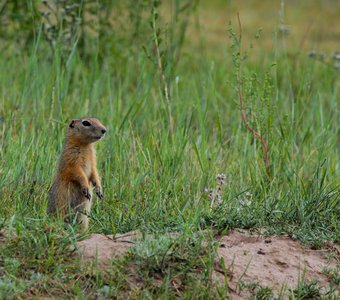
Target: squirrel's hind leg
[82,213]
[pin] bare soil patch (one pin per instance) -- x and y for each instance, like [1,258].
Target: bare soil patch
[248,259]
[270,262]
[102,248]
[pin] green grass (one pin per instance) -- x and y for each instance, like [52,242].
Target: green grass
[155,180]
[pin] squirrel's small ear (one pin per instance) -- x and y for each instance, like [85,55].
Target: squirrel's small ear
[71,124]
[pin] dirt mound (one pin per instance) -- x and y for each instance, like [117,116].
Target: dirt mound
[270,262]
[248,260]
[103,248]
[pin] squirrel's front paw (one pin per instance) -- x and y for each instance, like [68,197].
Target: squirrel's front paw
[99,192]
[86,193]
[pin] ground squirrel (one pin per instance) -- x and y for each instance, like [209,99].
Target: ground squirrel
[70,191]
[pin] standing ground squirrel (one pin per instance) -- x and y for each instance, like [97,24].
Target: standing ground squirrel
[70,191]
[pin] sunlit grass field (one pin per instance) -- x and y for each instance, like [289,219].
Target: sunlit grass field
[157,175]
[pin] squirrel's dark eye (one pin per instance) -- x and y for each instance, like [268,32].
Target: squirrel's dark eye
[86,123]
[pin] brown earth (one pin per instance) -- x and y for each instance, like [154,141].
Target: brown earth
[103,248]
[249,259]
[272,262]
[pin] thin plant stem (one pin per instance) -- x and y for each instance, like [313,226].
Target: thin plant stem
[161,70]
[241,97]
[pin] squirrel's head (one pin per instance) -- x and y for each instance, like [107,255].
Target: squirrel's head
[85,130]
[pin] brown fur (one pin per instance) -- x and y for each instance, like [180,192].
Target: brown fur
[70,191]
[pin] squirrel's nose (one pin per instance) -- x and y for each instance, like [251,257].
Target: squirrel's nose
[103,130]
